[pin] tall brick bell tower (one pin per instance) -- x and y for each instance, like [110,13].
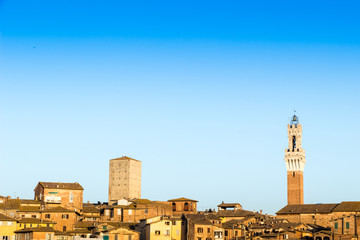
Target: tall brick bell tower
[295,163]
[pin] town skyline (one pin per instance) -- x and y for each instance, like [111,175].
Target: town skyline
[201,93]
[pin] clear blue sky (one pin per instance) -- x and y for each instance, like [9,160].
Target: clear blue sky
[200,91]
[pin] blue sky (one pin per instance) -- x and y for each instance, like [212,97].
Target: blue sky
[201,92]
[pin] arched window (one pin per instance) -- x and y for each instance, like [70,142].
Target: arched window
[173,206]
[186,207]
[294,143]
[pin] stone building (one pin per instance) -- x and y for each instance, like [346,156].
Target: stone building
[295,163]
[124,179]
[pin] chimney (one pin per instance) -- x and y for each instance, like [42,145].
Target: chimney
[260,211]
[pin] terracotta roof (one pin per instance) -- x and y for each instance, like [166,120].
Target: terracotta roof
[83,230]
[40,229]
[91,209]
[307,208]
[34,220]
[347,207]
[6,218]
[212,217]
[232,224]
[182,199]
[59,185]
[237,213]
[84,224]
[10,204]
[57,209]
[29,201]
[29,209]
[228,204]
[124,158]
[199,219]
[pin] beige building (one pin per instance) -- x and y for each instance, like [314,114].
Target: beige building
[124,179]
[295,163]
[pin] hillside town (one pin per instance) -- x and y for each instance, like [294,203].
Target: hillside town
[59,212]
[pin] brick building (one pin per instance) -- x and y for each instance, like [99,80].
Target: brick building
[67,195]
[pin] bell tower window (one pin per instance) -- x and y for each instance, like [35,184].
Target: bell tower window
[293,143]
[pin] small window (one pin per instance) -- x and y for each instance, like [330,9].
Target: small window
[226,233]
[336,225]
[65,216]
[347,225]
[71,198]
[64,228]
[130,211]
[208,230]
[104,227]
[200,230]
[47,215]
[146,210]
[174,223]
[199,238]
[157,232]
[167,223]
[236,233]
[33,216]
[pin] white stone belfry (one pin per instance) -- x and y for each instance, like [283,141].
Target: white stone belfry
[295,154]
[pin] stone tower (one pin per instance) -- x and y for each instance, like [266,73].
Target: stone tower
[124,179]
[295,163]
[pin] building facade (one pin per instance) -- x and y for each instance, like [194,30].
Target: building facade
[295,163]
[124,179]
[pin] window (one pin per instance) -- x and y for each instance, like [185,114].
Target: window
[336,225]
[71,198]
[226,233]
[167,233]
[286,236]
[33,216]
[199,238]
[146,211]
[347,225]
[65,216]
[173,207]
[167,223]
[47,215]
[157,232]
[236,233]
[186,207]
[116,236]
[174,223]
[208,230]
[104,227]
[129,237]
[200,230]
[294,143]
[130,212]
[107,212]
[64,228]
[119,211]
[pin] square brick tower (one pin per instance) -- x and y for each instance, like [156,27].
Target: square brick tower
[295,163]
[124,179]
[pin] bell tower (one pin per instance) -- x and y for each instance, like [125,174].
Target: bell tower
[295,163]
